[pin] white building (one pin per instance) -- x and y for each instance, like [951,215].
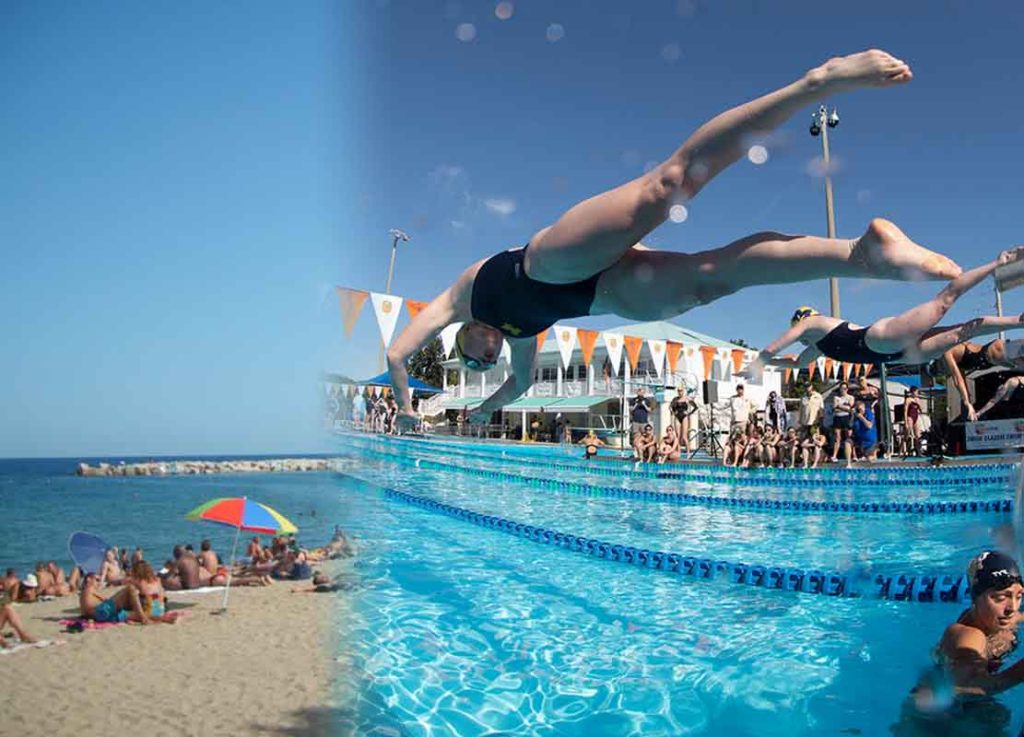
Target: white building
[594,394]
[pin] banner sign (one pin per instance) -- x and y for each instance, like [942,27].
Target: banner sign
[995,434]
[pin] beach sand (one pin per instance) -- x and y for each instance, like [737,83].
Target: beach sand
[264,668]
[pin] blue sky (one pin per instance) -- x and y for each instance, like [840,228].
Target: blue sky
[184,184]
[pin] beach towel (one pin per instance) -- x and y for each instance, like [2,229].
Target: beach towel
[200,590]
[81,623]
[18,645]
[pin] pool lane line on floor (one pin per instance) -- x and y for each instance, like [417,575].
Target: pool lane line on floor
[960,475]
[727,502]
[898,587]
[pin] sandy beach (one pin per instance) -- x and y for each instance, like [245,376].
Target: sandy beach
[263,668]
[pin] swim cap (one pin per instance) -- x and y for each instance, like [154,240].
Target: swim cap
[991,570]
[801,313]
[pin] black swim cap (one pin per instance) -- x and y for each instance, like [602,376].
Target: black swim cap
[992,570]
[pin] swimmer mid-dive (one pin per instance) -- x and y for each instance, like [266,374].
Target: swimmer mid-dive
[591,262]
[910,338]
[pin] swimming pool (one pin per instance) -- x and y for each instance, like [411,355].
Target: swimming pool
[463,626]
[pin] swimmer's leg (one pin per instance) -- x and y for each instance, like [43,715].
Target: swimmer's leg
[595,233]
[902,332]
[656,285]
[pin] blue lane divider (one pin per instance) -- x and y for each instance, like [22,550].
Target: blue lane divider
[785,505]
[898,587]
[951,475]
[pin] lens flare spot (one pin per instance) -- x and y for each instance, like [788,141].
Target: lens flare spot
[671,52]
[863,196]
[644,273]
[504,10]
[465,32]
[555,32]
[757,154]
[678,213]
[651,166]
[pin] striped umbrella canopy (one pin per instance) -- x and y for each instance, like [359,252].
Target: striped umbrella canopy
[243,513]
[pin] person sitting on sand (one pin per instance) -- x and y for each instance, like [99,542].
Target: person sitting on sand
[111,573]
[48,585]
[151,592]
[124,605]
[28,589]
[254,551]
[186,571]
[10,584]
[211,572]
[61,580]
[9,618]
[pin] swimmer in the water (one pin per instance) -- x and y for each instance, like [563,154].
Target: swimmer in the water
[970,655]
[591,262]
[911,338]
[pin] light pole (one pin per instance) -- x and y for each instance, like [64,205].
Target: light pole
[396,235]
[821,121]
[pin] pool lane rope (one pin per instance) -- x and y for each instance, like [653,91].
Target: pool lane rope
[730,502]
[896,587]
[954,475]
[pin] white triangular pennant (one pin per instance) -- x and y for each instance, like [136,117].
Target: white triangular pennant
[613,342]
[820,360]
[448,338]
[506,351]
[386,307]
[566,339]
[657,349]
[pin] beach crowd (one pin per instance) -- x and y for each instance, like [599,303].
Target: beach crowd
[126,588]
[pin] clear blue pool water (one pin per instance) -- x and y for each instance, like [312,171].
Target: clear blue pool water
[453,629]
[460,630]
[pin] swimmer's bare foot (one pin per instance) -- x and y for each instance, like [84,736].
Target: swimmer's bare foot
[885,252]
[872,68]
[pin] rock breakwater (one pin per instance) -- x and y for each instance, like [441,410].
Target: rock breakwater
[196,468]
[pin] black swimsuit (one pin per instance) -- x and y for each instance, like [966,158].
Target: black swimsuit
[975,361]
[843,343]
[520,307]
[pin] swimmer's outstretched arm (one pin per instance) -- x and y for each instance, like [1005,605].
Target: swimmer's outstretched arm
[524,351]
[427,325]
[1008,387]
[767,356]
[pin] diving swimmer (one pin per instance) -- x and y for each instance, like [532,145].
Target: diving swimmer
[591,261]
[910,338]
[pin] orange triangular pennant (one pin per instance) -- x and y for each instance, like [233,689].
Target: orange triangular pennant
[737,359]
[587,340]
[352,301]
[414,307]
[828,367]
[672,351]
[810,370]
[633,346]
[541,337]
[785,375]
[847,367]
[708,352]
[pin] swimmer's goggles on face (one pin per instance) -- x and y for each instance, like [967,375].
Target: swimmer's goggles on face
[473,364]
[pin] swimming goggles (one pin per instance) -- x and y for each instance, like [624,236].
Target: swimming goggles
[473,364]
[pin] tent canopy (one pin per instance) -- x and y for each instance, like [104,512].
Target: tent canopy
[385,380]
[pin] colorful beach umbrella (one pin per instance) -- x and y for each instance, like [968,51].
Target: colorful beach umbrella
[243,514]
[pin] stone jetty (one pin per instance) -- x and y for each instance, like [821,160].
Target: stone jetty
[196,468]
